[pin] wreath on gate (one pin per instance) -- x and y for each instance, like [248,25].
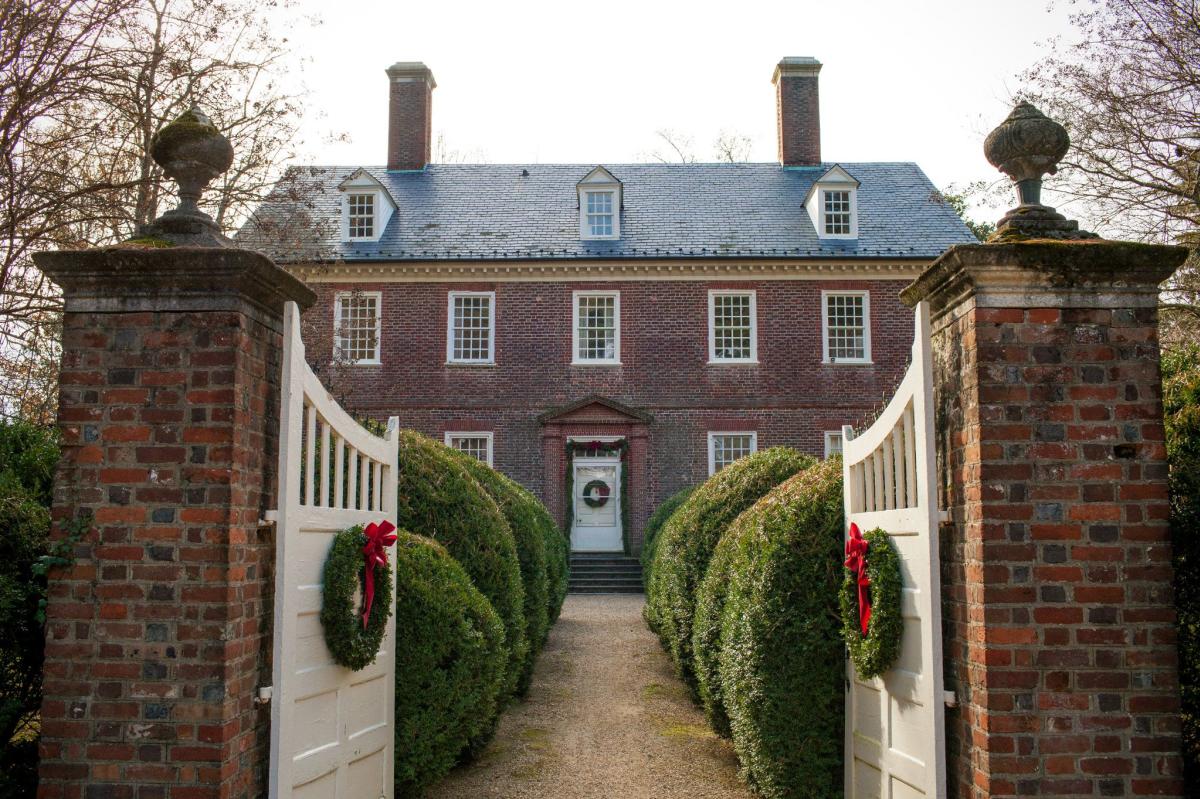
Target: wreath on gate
[596,493]
[357,557]
[870,602]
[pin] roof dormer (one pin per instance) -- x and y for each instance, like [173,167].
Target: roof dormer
[832,204]
[599,206]
[366,207]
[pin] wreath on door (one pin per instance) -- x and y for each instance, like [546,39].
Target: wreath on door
[357,560]
[870,602]
[596,493]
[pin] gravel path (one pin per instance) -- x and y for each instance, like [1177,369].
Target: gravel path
[605,718]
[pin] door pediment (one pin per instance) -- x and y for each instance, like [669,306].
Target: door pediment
[595,410]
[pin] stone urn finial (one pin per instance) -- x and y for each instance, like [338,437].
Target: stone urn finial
[1026,146]
[191,151]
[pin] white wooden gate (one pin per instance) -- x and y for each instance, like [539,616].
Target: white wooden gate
[332,729]
[895,724]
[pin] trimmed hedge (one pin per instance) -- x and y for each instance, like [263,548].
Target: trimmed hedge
[655,523]
[520,511]
[450,663]
[689,537]
[438,498]
[558,562]
[781,658]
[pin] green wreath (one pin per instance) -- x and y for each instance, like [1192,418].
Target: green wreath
[596,502]
[874,653]
[352,645]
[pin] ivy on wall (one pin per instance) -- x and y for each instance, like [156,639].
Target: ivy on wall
[591,449]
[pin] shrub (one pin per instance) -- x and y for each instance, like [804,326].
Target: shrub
[782,661]
[655,523]
[450,663]
[687,541]
[27,458]
[558,563]
[1181,407]
[439,499]
[520,511]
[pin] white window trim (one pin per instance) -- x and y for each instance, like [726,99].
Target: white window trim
[584,229]
[829,436]
[575,359]
[853,234]
[712,325]
[866,295]
[491,359]
[337,323]
[451,434]
[712,440]
[376,222]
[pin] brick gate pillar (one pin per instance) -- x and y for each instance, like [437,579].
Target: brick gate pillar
[158,635]
[1056,568]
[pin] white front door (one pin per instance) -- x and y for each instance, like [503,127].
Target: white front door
[597,490]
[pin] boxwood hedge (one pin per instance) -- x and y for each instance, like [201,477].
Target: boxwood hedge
[781,658]
[655,523]
[438,498]
[558,562]
[520,511]
[687,541]
[450,663]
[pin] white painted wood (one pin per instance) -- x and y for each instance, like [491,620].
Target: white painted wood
[332,729]
[597,529]
[895,724]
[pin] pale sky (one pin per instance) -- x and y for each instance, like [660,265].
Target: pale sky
[554,82]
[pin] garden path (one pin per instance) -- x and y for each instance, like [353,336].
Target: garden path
[606,718]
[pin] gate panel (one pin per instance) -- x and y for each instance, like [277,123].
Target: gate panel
[895,724]
[332,729]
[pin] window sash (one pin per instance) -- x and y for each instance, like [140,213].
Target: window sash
[725,448]
[360,217]
[477,445]
[833,443]
[356,327]
[847,327]
[597,328]
[732,326]
[837,213]
[599,215]
[471,327]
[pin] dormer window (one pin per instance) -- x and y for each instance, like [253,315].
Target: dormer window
[832,205]
[599,205]
[361,215]
[366,207]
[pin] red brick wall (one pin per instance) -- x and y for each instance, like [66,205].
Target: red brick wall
[798,120]
[790,398]
[1056,570]
[410,124]
[158,637]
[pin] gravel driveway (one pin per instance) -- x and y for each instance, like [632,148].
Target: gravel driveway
[605,718]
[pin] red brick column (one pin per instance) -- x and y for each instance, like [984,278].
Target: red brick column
[1056,570]
[158,636]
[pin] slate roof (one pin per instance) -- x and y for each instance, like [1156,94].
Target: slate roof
[530,211]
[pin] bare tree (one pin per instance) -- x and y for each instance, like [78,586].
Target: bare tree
[675,147]
[1129,94]
[732,148]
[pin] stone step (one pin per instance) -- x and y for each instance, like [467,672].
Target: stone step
[618,567]
[637,589]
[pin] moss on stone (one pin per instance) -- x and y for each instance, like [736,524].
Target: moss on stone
[147,243]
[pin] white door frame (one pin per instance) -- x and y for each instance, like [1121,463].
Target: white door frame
[617,500]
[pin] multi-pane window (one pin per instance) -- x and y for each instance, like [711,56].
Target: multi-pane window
[471,327]
[597,327]
[361,215]
[725,448]
[356,326]
[837,213]
[477,445]
[833,443]
[847,327]
[731,326]
[600,213]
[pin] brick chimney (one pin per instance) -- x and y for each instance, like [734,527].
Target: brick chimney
[410,115]
[798,111]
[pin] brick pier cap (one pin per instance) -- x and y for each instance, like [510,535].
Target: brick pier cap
[1058,613]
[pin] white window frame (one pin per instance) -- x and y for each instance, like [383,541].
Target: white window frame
[853,192]
[585,231]
[376,204]
[337,323]
[712,441]
[712,325]
[450,435]
[490,360]
[575,359]
[866,295]
[830,435]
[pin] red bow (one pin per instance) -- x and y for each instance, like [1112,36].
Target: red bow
[856,562]
[379,537]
